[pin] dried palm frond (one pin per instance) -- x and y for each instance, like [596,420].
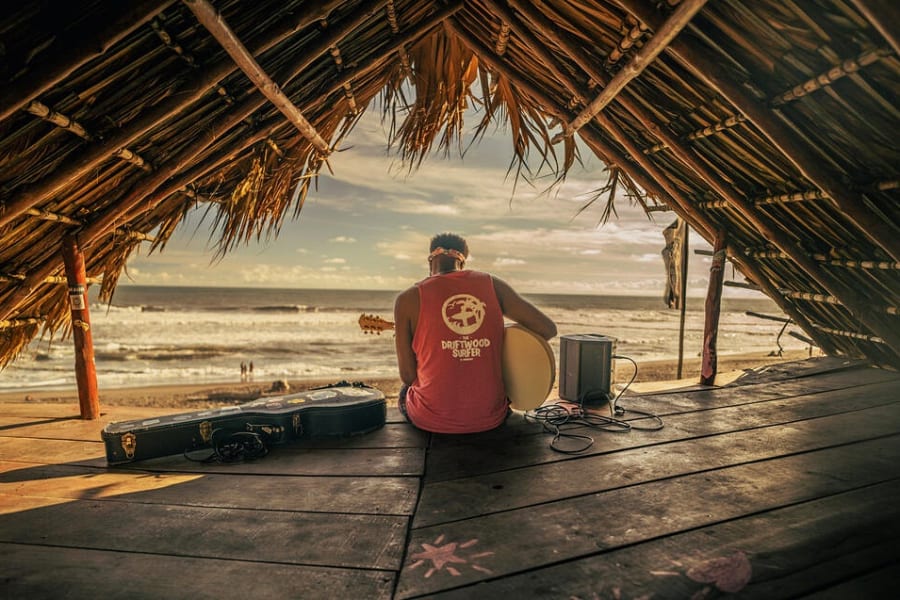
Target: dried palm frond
[14,339]
[115,263]
[444,70]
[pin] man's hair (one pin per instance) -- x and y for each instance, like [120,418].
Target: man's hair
[449,241]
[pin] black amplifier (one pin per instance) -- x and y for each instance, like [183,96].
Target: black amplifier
[586,367]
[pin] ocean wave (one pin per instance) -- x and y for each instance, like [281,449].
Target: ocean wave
[288,308]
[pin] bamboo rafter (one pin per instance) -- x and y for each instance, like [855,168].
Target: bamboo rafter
[210,18]
[849,334]
[22,322]
[634,31]
[51,279]
[406,69]
[392,17]
[61,279]
[882,265]
[46,215]
[502,39]
[831,75]
[544,55]
[804,196]
[348,89]
[639,61]
[171,44]
[62,121]
[808,296]
[706,132]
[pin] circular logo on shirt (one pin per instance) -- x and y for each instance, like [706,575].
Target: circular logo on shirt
[463,313]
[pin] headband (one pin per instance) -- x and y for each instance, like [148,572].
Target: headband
[451,252]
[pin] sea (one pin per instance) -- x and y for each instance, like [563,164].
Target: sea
[151,335]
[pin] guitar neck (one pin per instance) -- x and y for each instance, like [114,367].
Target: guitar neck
[374,324]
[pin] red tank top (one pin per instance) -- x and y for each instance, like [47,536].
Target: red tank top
[458,342]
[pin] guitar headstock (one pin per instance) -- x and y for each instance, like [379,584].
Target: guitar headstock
[374,324]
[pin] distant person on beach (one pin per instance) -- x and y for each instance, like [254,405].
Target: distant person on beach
[449,336]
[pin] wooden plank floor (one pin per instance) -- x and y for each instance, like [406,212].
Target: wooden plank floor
[783,484]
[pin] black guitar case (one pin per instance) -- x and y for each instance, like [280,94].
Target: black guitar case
[341,409]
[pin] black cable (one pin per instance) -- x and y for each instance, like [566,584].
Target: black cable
[553,417]
[620,411]
[231,446]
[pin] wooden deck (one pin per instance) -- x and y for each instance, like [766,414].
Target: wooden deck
[781,485]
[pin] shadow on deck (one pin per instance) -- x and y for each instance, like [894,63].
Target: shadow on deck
[782,484]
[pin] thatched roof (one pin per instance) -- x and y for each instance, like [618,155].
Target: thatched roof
[774,122]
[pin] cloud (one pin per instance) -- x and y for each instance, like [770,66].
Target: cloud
[502,261]
[336,261]
[342,239]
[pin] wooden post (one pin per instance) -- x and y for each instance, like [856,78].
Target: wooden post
[683,293]
[85,372]
[713,306]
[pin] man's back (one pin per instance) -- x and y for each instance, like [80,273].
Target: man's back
[458,342]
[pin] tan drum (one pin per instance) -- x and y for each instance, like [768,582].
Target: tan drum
[529,367]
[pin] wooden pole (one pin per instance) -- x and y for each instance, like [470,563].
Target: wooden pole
[210,18]
[683,293]
[85,372]
[713,308]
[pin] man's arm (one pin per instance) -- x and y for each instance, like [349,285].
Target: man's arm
[522,311]
[406,310]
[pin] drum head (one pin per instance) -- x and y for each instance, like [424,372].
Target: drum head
[529,368]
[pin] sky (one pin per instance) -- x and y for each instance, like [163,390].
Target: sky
[368,225]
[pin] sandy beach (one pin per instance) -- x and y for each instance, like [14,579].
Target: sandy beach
[191,396]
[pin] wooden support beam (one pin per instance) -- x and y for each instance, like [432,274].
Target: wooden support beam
[709,362]
[85,371]
[78,47]
[698,59]
[884,15]
[210,18]
[94,155]
[640,60]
